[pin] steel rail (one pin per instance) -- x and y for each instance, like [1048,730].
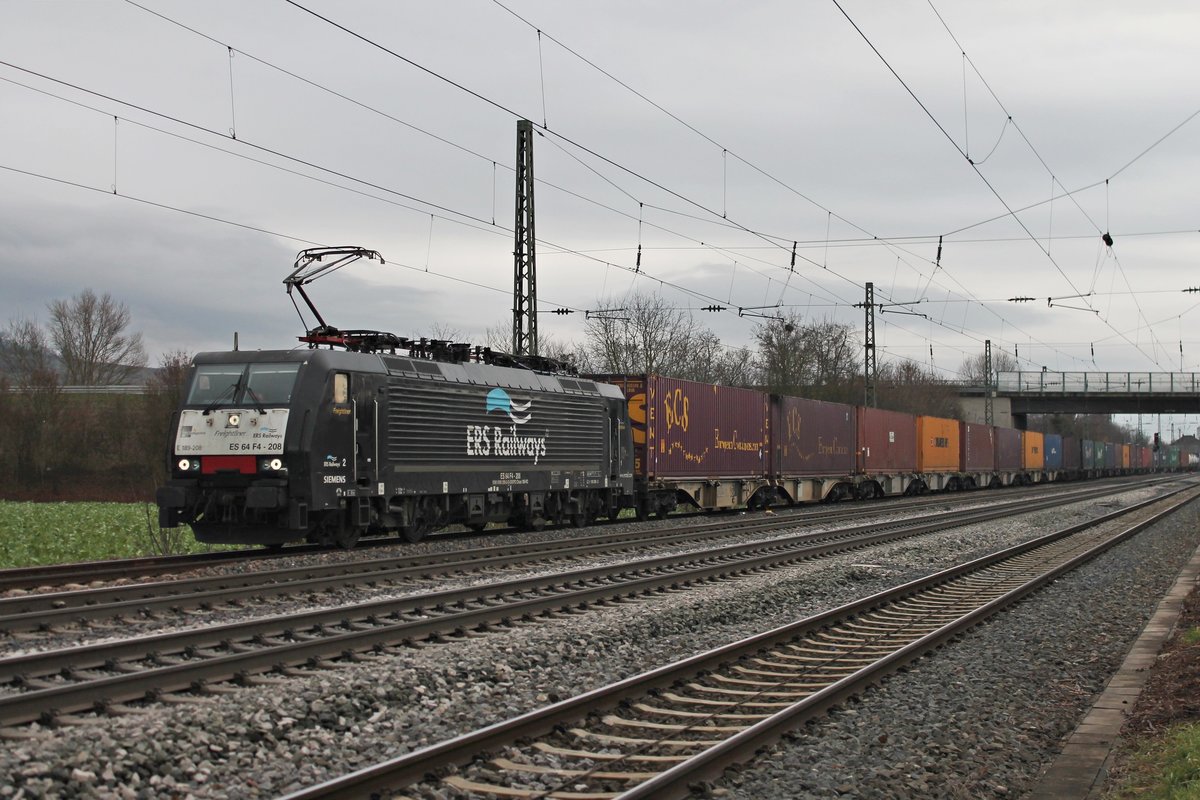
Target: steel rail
[44,611]
[375,625]
[676,781]
[18,578]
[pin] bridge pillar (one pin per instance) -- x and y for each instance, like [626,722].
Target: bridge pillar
[974,409]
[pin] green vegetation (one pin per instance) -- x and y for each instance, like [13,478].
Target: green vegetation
[1190,637]
[51,533]
[1164,768]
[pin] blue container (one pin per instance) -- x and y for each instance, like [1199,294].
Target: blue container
[1053,445]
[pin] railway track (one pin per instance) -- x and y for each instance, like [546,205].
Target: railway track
[122,569]
[659,734]
[48,686]
[50,610]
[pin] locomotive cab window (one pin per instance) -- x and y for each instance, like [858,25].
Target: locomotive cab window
[341,387]
[271,384]
[241,384]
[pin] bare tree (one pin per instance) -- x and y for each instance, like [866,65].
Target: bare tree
[909,386]
[30,415]
[25,356]
[499,338]
[643,333]
[711,361]
[164,394]
[818,359]
[90,334]
[972,370]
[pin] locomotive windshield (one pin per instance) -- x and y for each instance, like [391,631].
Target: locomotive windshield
[242,384]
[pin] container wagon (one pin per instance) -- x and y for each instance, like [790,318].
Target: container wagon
[978,453]
[696,444]
[813,449]
[939,453]
[887,452]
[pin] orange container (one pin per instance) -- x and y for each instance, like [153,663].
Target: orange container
[1034,450]
[1126,456]
[938,445]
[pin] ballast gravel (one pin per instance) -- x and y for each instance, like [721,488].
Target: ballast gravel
[978,718]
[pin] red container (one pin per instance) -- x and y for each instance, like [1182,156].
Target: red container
[684,429]
[938,448]
[1009,449]
[1071,454]
[977,443]
[811,437]
[887,441]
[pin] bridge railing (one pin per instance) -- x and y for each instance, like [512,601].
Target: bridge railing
[1098,382]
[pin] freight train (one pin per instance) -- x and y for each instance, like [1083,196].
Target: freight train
[364,433]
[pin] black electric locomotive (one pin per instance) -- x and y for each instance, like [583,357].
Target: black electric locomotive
[369,432]
[325,445]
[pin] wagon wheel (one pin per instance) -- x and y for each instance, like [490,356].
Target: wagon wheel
[477,527]
[420,523]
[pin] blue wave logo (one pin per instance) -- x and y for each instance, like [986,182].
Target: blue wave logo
[499,400]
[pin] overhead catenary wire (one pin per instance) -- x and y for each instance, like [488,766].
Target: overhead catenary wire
[826,243]
[476,94]
[724,150]
[974,167]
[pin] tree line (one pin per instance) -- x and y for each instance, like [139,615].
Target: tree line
[56,444]
[64,445]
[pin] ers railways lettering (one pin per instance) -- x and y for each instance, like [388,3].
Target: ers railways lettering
[501,442]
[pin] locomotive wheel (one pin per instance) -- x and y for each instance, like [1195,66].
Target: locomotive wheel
[415,532]
[476,526]
[346,537]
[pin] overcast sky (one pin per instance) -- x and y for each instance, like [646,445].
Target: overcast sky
[784,125]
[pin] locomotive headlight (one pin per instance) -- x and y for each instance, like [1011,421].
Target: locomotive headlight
[234,419]
[275,464]
[270,465]
[184,464]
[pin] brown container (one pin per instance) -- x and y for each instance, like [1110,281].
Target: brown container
[1126,457]
[977,443]
[887,441]
[684,429]
[1072,458]
[811,437]
[938,448]
[1008,449]
[1033,450]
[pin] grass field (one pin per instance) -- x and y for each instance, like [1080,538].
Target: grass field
[52,533]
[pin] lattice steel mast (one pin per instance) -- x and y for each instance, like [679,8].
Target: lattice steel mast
[869,354]
[525,339]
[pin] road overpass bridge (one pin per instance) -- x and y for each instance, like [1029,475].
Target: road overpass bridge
[1016,395]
